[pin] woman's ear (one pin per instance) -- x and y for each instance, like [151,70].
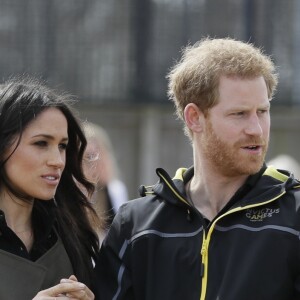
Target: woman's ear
[193,117]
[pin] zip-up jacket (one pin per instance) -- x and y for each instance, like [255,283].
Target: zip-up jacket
[159,246]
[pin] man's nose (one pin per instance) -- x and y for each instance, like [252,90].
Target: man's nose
[254,126]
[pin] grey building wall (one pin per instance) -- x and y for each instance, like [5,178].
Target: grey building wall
[114,55]
[146,137]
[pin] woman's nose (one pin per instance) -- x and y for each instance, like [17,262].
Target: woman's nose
[56,159]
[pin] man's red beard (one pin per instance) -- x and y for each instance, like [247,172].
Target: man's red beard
[229,159]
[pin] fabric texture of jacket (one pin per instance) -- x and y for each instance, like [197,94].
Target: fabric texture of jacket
[24,273]
[159,247]
[22,278]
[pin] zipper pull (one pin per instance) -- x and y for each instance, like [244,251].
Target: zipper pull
[203,249]
[188,217]
[203,253]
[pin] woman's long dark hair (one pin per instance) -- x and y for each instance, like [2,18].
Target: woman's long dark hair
[22,100]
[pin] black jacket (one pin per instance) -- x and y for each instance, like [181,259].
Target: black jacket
[160,247]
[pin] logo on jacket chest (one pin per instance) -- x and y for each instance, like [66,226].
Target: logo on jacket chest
[257,215]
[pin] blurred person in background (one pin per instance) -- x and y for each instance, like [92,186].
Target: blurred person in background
[286,162]
[228,227]
[47,245]
[100,167]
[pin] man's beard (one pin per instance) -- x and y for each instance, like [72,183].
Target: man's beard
[227,159]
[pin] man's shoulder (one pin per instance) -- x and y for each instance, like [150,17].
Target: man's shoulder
[297,198]
[141,206]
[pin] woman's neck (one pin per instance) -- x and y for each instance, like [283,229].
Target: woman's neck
[17,213]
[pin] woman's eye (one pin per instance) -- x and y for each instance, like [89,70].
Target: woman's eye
[41,143]
[63,146]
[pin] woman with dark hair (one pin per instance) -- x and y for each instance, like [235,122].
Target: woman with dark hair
[47,245]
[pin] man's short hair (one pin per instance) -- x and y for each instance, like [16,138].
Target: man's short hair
[195,78]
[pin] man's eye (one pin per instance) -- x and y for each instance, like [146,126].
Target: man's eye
[262,111]
[239,113]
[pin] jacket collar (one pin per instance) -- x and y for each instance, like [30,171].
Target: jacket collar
[268,182]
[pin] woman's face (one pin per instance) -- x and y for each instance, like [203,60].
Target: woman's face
[36,166]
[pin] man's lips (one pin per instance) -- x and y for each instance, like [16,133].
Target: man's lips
[252,147]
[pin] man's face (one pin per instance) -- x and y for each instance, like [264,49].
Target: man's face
[236,132]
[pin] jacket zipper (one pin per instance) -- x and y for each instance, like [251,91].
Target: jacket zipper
[206,241]
[206,238]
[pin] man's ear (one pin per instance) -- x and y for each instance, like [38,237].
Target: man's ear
[193,117]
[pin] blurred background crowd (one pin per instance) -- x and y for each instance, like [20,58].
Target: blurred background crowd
[113,56]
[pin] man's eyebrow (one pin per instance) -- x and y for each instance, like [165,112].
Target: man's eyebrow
[267,105]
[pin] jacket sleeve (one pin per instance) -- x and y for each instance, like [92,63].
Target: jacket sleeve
[297,279]
[113,278]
